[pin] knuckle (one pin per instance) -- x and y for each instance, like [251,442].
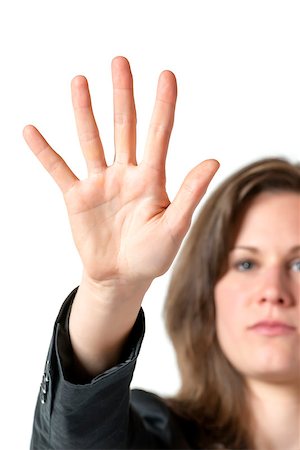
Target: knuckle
[55,165]
[160,128]
[124,118]
[188,188]
[88,138]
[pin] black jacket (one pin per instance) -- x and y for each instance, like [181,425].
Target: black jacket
[103,413]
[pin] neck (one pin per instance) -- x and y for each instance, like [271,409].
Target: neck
[276,415]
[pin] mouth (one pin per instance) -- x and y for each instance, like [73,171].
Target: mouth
[272,328]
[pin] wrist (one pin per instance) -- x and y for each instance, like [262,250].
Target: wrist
[112,292]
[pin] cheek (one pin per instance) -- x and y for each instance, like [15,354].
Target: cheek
[230,301]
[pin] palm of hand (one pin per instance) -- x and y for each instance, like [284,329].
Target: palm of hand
[118,217]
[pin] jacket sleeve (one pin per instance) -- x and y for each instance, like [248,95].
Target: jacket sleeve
[102,413]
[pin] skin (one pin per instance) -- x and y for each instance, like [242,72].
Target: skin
[260,285]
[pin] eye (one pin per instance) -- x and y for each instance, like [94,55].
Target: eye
[244,265]
[296,265]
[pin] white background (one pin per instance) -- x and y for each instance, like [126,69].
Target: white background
[238,73]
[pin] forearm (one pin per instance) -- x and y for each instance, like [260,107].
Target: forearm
[99,324]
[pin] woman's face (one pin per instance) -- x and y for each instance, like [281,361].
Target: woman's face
[263,283]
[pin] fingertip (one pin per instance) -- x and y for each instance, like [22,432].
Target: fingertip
[78,81]
[119,62]
[212,163]
[121,73]
[28,130]
[24,131]
[167,87]
[168,74]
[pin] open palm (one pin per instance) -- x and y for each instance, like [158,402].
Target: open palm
[123,223]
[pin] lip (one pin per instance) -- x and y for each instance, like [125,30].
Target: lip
[272,328]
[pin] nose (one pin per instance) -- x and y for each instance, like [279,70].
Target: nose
[276,288]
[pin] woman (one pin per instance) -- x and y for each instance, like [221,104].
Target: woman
[241,265]
[127,233]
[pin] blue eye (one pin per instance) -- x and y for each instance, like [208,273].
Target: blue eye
[244,265]
[296,265]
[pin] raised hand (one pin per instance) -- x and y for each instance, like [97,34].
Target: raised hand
[123,224]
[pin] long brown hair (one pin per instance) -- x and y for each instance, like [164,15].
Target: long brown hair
[213,395]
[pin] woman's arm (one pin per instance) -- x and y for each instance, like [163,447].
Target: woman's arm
[100,321]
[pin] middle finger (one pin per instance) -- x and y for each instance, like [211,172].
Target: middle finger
[124,112]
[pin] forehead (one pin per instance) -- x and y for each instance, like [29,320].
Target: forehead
[271,216]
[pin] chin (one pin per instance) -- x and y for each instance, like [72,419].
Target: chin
[279,375]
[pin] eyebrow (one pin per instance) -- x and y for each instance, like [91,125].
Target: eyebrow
[256,250]
[245,247]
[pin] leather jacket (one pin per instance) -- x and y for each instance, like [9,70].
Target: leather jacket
[103,413]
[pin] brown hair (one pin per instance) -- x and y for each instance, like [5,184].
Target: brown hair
[212,400]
